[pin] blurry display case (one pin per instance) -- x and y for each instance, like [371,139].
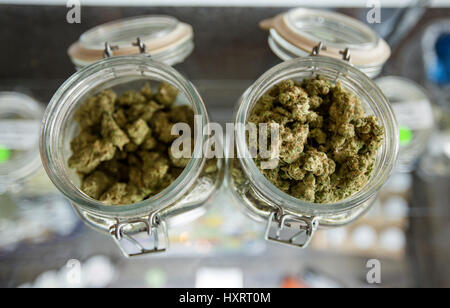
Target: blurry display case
[406,230]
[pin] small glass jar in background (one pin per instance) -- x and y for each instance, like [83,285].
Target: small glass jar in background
[138,228]
[302,35]
[31,209]
[20,117]
[435,164]
[414,112]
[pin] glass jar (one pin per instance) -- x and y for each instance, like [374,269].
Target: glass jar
[31,209]
[414,112]
[139,228]
[291,220]
[20,117]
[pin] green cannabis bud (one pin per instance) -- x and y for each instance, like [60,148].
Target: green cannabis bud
[122,152]
[327,146]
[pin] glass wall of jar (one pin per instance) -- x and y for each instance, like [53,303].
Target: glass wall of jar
[139,228]
[290,220]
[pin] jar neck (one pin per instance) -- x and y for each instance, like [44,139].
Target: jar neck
[355,80]
[104,74]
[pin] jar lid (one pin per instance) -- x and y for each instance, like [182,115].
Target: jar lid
[295,34]
[413,109]
[20,120]
[165,38]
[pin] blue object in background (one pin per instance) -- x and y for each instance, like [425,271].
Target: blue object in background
[440,73]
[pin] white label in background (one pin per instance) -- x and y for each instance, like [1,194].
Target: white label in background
[208,277]
[19,134]
[415,115]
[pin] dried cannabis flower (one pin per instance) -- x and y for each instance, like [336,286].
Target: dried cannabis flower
[328,145]
[122,152]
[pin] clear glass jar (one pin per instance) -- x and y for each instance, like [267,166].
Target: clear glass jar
[181,201]
[414,112]
[32,210]
[291,220]
[20,116]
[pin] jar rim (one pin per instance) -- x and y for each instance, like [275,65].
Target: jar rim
[71,91]
[287,70]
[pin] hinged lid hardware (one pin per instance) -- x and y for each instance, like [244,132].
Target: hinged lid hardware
[291,229]
[139,43]
[346,54]
[317,49]
[107,53]
[124,234]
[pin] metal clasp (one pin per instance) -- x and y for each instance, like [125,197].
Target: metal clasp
[290,229]
[140,44]
[317,49]
[108,51]
[346,55]
[126,234]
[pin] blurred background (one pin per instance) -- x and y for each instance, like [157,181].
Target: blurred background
[42,240]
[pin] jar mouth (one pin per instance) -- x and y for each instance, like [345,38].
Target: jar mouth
[91,79]
[373,101]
